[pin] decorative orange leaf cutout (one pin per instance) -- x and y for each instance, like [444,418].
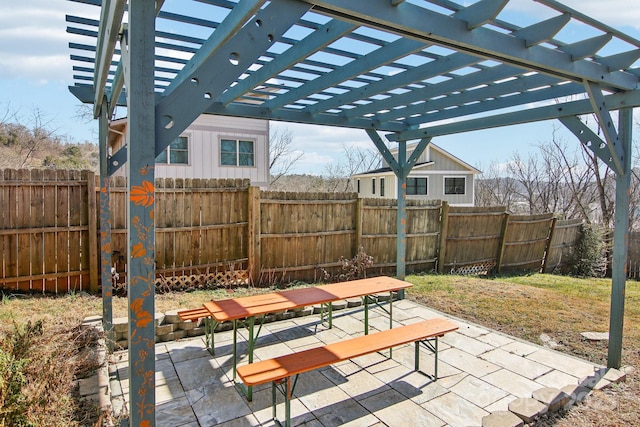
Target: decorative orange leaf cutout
[143,194]
[143,318]
[138,251]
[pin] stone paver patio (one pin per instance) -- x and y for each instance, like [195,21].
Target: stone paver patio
[480,372]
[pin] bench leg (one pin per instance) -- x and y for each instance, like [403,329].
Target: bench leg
[248,323]
[432,346]
[365,302]
[209,328]
[287,391]
[326,314]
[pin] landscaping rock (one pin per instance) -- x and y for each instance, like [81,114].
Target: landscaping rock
[595,336]
[528,409]
[554,398]
[577,393]
[171,316]
[339,305]
[502,419]
[92,321]
[195,332]
[615,376]
[305,311]
[165,329]
[179,334]
[159,318]
[354,302]
[188,325]
[221,327]
[121,324]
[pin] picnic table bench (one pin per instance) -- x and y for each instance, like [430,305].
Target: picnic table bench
[280,370]
[247,311]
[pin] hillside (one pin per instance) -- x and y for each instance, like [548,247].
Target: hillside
[37,147]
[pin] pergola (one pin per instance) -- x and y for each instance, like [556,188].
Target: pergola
[407,69]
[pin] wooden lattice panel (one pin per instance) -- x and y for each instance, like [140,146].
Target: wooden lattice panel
[199,281]
[478,269]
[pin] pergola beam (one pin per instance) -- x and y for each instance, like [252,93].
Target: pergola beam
[549,112]
[418,23]
[326,34]
[383,55]
[603,114]
[223,33]
[589,139]
[111,17]
[212,74]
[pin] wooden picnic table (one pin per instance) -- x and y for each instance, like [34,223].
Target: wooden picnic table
[244,311]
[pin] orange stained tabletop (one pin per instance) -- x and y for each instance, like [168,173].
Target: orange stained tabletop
[314,358]
[238,308]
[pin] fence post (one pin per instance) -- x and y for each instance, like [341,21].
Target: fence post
[358,225]
[503,239]
[444,225]
[93,231]
[254,250]
[552,231]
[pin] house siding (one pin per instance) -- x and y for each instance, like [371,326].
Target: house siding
[442,166]
[204,136]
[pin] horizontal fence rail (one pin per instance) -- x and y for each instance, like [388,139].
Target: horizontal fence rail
[225,232]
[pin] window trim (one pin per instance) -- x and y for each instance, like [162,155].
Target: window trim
[237,140]
[426,178]
[168,151]
[444,185]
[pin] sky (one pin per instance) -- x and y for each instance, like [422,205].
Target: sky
[35,72]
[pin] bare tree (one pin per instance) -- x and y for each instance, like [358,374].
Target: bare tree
[282,153]
[494,189]
[354,160]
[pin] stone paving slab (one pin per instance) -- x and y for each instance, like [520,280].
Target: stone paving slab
[480,372]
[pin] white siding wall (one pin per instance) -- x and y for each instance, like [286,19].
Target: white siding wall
[204,150]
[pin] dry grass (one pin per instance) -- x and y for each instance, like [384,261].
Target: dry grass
[559,307]
[526,307]
[64,351]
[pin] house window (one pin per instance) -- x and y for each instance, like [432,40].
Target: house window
[373,186]
[177,153]
[236,152]
[416,186]
[455,185]
[358,186]
[381,187]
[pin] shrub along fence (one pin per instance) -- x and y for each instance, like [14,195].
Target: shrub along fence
[227,232]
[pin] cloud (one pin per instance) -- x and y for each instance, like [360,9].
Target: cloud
[34,41]
[615,13]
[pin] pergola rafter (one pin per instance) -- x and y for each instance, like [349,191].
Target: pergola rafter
[411,70]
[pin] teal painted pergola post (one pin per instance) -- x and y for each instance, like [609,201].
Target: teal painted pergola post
[620,242]
[401,168]
[401,241]
[138,56]
[105,227]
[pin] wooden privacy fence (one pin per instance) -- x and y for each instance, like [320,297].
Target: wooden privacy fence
[48,230]
[633,264]
[227,232]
